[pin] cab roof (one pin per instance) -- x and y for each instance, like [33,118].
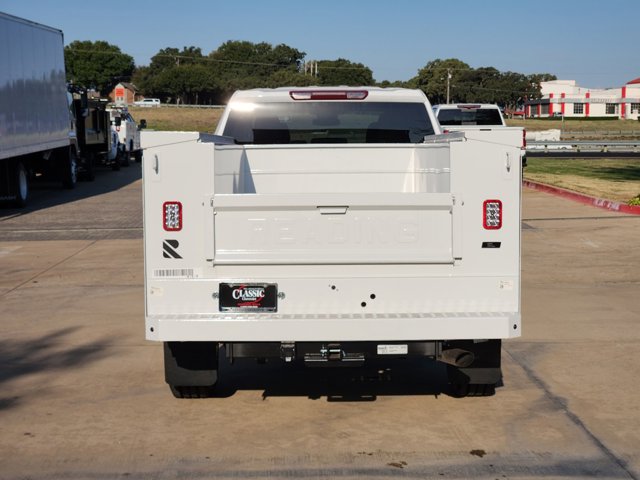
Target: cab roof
[358,94]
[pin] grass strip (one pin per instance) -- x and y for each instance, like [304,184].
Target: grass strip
[609,178]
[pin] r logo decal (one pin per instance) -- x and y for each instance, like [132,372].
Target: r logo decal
[170,249]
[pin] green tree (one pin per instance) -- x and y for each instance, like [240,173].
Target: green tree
[343,72]
[172,57]
[432,78]
[477,85]
[289,78]
[481,85]
[180,76]
[190,84]
[241,64]
[98,65]
[395,84]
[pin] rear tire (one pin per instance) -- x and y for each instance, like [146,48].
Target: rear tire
[69,169]
[192,392]
[115,166]
[125,157]
[482,377]
[461,389]
[191,368]
[21,179]
[89,173]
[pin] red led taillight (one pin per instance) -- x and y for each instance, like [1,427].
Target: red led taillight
[172,216]
[492,214]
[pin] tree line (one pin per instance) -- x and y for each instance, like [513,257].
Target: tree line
[188,76]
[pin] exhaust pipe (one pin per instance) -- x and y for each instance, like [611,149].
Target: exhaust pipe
[457,357]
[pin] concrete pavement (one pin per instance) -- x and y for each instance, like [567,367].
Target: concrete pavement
[83,394]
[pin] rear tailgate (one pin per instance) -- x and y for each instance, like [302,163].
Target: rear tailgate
[334,228]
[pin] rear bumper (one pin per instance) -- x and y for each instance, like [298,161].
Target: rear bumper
[226,327]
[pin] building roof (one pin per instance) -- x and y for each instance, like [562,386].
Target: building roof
[635,81]
[129,86]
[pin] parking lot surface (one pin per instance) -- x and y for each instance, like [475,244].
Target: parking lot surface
[83,394]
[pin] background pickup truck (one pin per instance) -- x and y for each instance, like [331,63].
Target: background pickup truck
[452,116]
[328,226]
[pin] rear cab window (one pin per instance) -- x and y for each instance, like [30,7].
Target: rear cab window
[329,122]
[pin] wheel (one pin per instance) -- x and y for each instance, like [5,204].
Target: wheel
[124,157]
[88,173]
[115,166]
[21,184]
[191,368]
[482,376]
[69,169]
[192,392]
[138,156]
[462,389]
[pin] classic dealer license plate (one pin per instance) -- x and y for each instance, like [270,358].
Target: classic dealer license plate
[248,297]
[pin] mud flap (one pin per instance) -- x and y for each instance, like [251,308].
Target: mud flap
[191,363]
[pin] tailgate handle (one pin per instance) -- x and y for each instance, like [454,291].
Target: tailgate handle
[332,210]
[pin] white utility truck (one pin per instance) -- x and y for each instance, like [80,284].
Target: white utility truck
[128,133]
[37,135]
[328,226]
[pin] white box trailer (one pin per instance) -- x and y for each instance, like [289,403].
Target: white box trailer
[36,130]
[329,226]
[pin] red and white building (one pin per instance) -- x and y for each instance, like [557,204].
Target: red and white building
[565,98]
[124,94]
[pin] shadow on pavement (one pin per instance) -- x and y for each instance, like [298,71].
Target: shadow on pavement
[45,354]
[46,194]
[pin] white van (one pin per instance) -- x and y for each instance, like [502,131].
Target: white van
[148,102]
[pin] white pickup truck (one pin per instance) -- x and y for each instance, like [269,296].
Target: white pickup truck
[459,116]
[328,226]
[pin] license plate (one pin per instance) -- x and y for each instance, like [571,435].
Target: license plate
[248,297]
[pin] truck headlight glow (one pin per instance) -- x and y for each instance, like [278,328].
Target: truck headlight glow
[492,214]
[172,216]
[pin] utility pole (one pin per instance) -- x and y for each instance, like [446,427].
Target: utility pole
[448,83]
[312,67]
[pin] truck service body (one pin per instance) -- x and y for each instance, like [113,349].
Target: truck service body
[330,225]
[37,135]
[128,133]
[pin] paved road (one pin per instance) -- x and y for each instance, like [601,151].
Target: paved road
[83,395]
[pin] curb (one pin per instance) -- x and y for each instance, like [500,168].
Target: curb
[584,199]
